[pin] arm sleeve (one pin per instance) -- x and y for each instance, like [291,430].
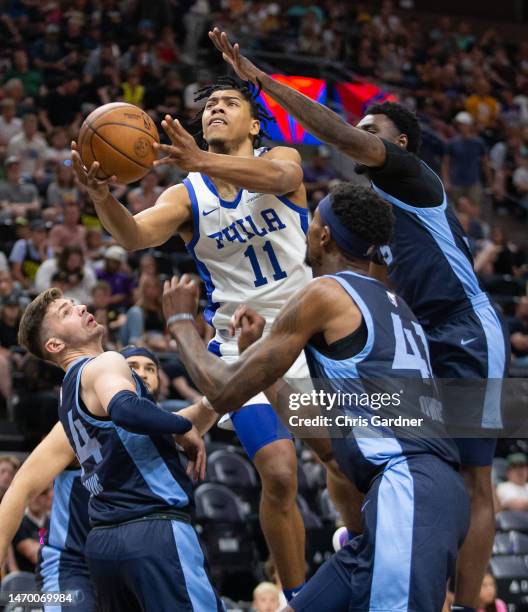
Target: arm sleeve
[399,162]
[141,416]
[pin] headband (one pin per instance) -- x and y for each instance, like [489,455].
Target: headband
[347,240]
[140,351]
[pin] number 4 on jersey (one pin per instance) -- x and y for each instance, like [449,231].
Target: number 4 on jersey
[260,279]
[415,359]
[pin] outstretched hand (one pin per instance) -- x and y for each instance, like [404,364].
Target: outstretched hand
[97,189]
[180,296]
[246,70]
[184,152]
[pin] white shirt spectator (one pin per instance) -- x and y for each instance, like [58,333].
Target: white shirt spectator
[81,293]
[9,129]
[30,152]
[508,491]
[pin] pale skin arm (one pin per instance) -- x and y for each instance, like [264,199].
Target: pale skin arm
[316,118]
[277,171]
[148,228]
[45,463]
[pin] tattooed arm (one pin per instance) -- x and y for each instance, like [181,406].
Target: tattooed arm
[229,386]
[316,118]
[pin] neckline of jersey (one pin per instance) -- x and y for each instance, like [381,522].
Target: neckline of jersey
[224,203]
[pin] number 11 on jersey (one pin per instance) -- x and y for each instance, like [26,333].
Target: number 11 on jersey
[260,279]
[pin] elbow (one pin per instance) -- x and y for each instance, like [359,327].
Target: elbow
[287,180]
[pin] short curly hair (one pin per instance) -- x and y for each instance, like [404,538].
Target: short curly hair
[249,92]
[363,212]
[405,120]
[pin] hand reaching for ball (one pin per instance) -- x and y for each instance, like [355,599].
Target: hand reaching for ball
[97,189]
[184,152]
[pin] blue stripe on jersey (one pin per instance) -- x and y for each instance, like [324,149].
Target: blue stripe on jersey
[301,210]
[224,203]
[195,209]
[393,557]
[49,569]
[60,514]
[153,468]
[435,222]
[491,417]
[198,585]
[214,347]
[204,273]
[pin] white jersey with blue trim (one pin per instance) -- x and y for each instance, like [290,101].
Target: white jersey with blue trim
[248,251]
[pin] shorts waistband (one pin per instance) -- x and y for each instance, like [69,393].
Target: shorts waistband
[173,515]
[481,300]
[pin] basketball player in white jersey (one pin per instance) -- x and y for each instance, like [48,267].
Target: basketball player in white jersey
[242,214]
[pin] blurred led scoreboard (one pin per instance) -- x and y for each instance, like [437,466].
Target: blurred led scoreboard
[351,99]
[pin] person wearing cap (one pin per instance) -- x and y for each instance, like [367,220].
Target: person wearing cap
[465,162]
[122,284]
[28,254]
[16,198]
[513,493]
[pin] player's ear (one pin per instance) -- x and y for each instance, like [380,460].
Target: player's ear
[255,127]
[54,345]
[403,141]
[326,236]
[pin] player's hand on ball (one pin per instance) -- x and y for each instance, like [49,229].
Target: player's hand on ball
[251,326]
[180,296]
[231,54]
[184,152]
[194,447]
[97,189]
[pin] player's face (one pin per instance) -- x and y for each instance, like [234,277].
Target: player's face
[70,325]
[147,370]
[227,119]
[7,473]
[383,127]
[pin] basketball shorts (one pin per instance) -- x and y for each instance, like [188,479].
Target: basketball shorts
[473,345]
[62,572]
[415,516]
[256,423]
[150,565]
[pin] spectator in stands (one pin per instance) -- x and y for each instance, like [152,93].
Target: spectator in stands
[61,107]
[145,195]
[167,98]
[115,258]
[513,493]
[520,180]
[30,147]
[265,598]
[80,277]
[10,125]
[62,190]
[28,254]
[27,540]
[104,312]
[500,256]
[10,290]
[10,314]
[477,230]
[8,468]
[488,596]
[319,172]
[465,161]
[31,79]
[519,332]
[58,150]
[49,55]
[95,246]
[482,106]
[145,322]
[17,198]
[70,231]
[132,91]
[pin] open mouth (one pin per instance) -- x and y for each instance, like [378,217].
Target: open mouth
[90,320]
[217,121]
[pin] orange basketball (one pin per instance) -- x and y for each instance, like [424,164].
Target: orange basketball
[119,136]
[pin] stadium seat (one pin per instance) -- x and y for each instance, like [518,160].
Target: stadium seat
[510,573]
[217,502]
[231,469]
[19,582]
[502,544]
[311,520]
[510,520]
[519,543]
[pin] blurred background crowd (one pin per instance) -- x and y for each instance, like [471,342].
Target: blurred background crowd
[59,60]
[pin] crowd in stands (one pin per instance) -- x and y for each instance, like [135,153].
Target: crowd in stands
[60,60]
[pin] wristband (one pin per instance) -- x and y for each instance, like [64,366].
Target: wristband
[183,316]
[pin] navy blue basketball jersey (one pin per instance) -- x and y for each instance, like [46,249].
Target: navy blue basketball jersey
[65,539]
[128,475]
[429,261]
[394,358]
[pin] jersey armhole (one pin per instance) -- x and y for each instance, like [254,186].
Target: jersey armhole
[81,406]
[195,209]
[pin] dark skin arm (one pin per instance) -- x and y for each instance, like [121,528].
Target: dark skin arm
[316,118]
[229,386]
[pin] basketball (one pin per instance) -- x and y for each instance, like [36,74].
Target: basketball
[119,136]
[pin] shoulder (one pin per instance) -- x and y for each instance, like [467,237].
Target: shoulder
[108,362]
[176,194]
[283,153]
